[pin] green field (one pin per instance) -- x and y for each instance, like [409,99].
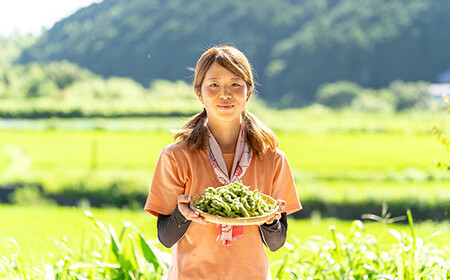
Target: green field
[336,162]
[336,158]
[325,154]
[36,228]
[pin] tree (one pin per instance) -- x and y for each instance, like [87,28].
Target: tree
[337,95]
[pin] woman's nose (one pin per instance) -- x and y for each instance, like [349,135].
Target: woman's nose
[225,93]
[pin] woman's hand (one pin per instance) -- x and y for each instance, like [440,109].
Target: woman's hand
[277,215]
[188,213]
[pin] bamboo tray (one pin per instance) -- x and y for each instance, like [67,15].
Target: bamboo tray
[257,220]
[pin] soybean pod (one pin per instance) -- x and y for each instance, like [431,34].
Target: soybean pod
[233,200]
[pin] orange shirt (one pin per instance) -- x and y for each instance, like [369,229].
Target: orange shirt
[198,254]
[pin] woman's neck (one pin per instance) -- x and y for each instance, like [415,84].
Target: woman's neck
[226,134]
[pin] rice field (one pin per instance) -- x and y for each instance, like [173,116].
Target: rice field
[335,158]
[319,153]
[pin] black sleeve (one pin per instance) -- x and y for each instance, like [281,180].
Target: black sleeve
[274,235]
[171,228]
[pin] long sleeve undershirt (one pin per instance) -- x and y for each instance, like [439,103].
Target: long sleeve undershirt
[171,228]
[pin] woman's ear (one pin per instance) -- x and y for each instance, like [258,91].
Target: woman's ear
[199,95]
[249,93]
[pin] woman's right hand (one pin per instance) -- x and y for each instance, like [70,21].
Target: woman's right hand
[188,213]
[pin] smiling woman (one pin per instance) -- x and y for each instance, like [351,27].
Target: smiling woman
[222,92]
[216,148]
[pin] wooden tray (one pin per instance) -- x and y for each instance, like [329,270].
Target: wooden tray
[257,220]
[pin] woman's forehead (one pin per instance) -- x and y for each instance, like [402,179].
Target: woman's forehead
[217,71]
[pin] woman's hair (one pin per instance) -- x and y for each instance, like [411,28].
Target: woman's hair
[194,133]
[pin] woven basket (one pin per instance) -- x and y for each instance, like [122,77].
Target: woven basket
[257,220]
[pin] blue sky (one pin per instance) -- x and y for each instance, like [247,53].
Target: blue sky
[31,16]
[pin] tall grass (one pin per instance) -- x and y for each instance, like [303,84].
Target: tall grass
[128,254]
[106,254]
[360,255]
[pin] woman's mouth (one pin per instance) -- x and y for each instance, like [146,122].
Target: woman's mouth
[225,106]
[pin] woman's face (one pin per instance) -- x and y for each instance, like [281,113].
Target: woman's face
[224,94]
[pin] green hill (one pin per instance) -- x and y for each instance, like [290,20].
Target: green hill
[294,46]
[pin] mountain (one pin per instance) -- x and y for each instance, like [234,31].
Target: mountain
[294,46]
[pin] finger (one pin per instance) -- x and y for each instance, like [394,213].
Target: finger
[191,215]
[187,211]
[281,205]
[277,216]
[184,198]
[200,220]
[271,219]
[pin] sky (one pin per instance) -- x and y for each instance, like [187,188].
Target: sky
[25,17]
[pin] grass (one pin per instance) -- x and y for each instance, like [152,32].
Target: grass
[357,191]
[331,166]
[320,153]
[361,254]
[313,119]
[343,157]
[324,151]
[46,224]
[72,149]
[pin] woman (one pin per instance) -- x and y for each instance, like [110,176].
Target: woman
[220,145]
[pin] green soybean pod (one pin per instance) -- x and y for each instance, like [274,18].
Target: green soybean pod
[243,211]
[233,195]
[224,205]
[221,213]
[227,197]
[245,203]
[233,206]
[208,208]
[221,202]
[216,206]
[259,207]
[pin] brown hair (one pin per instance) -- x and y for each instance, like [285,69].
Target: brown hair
[194,133]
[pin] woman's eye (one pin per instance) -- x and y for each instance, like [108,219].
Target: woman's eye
[235,84]
[214,85]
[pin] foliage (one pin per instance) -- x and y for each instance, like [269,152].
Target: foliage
[128,254]
[399,96]
[360,255]
[40,80]
[337,95]
[12,47]
[63,89]
[295,46]
[410,95]
[443,139]
[370,100]
[104,255]
[29,195]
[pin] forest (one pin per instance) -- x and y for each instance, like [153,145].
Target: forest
[294,46]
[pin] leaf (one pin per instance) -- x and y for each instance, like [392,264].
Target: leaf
[411,226]
[49,272]
[149,255]
[396,234]
[135,251]
[116,246]
[432,235]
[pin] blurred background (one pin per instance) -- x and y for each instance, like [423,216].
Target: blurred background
[356,91]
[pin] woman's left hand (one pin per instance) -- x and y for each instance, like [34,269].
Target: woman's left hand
[277,215]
